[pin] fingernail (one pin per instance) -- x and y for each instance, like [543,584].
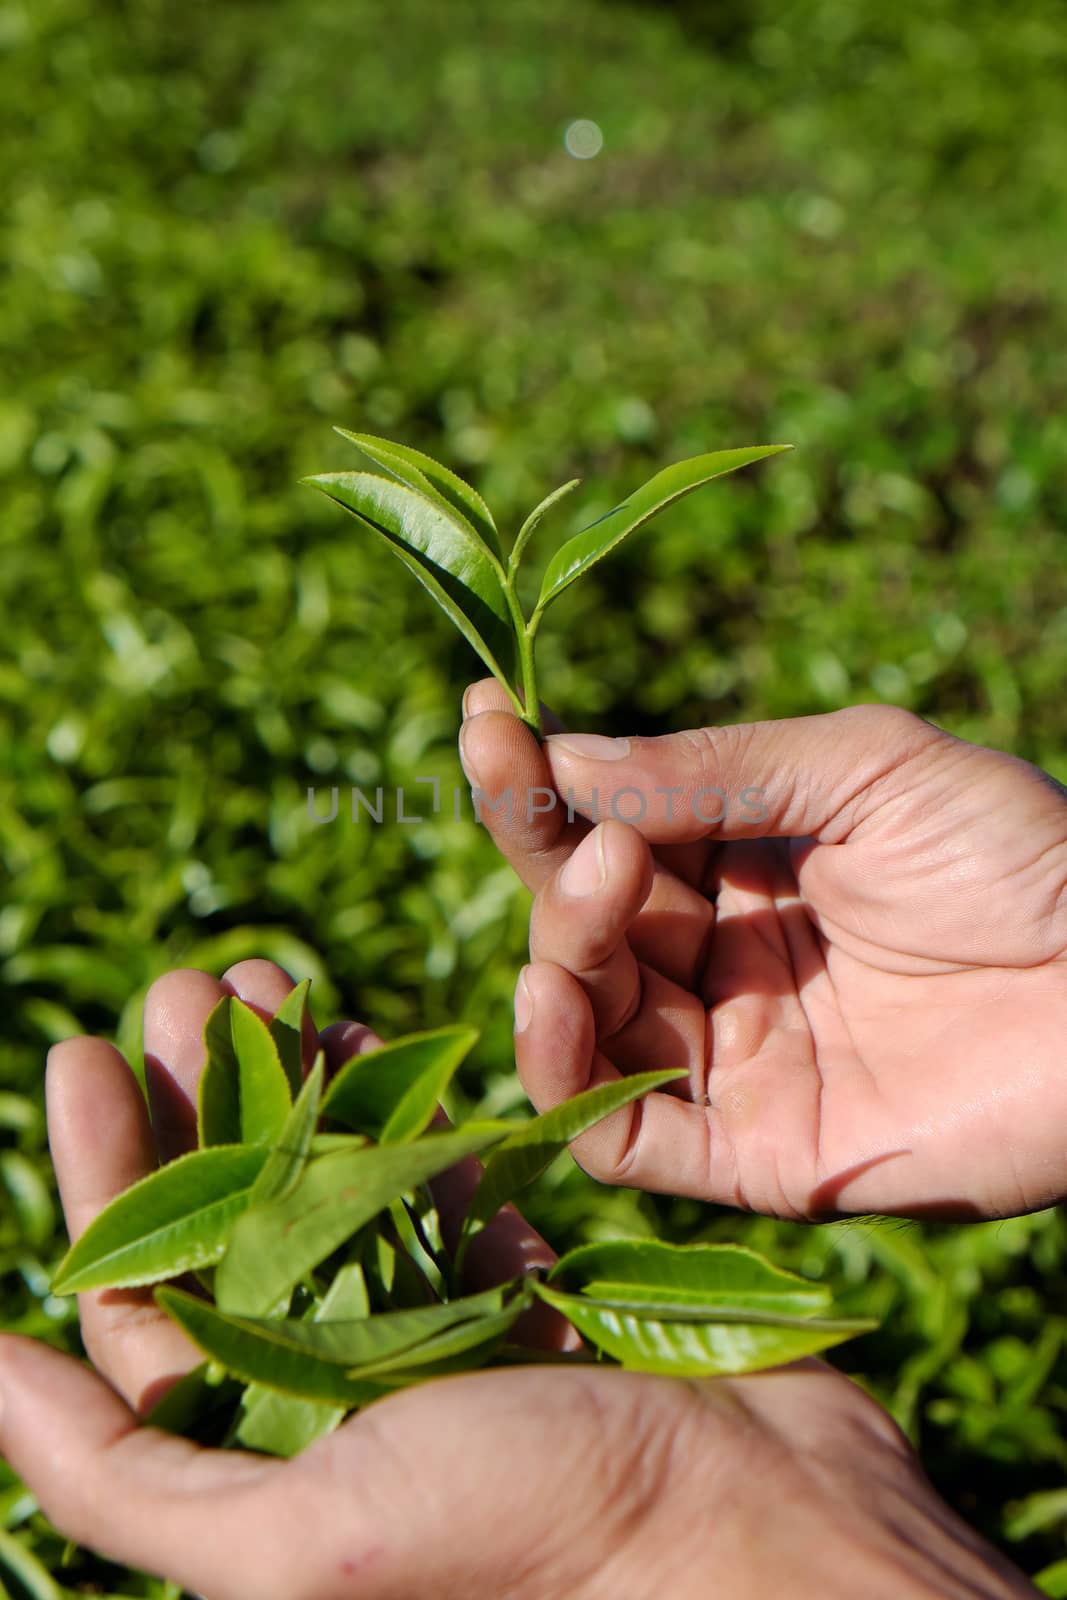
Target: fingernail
[469,769]
[466,699]
[591,746]
[586,870]
[523,1003]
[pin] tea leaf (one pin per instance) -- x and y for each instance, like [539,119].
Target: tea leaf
[686,1281]
[275,1245]
[329,1144]
[447,559]
[286,1029]
[321,1360]
[260,1352]
[177,1219]
[243,1096]
[533,520]
[289,1157]
[438,483]
[392,1093]
[596,541]
[281,1425]
[536,1144]
[650,1343]
[457,1345]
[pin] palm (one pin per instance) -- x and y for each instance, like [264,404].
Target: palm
[857,1038]
[875,1017]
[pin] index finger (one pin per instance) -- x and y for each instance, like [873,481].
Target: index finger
[515,795]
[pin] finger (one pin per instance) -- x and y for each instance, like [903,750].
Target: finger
[581,917]
[515,796]
[519,804]
[802,776]
[342,1041]
[661,1143]
[672,932]
[101,1142]
[489,694]
[264,986]
[668,1029]
[585,918]
[141,1497]
[175,1010]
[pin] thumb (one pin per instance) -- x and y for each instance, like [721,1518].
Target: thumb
[137,1495]
[799,777]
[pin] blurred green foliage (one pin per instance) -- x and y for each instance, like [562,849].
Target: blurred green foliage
[228,225]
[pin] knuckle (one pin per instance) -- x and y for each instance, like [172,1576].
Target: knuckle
[715,748]
[891,727]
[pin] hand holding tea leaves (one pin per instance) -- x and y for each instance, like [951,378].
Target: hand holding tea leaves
[536,1481]
[868,984]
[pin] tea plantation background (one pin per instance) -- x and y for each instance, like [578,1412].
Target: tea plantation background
[228,225]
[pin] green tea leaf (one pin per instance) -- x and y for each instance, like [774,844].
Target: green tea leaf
[279,1424]
[323,1360]
[346,1300]
[418,1257]
[536,1144]
[287,1030]
[687,1281]
[533,520]
[275,1245]
[175,1220]
[593,543]
[243,1096]
[458,1344]
[260,1352]
[392,1093]
[438,483]
[329,1144]
[649,1343]
[448,560]
[289,1157]
[389,1335]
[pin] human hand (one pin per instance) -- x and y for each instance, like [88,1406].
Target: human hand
[533,1483]
[868,983]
